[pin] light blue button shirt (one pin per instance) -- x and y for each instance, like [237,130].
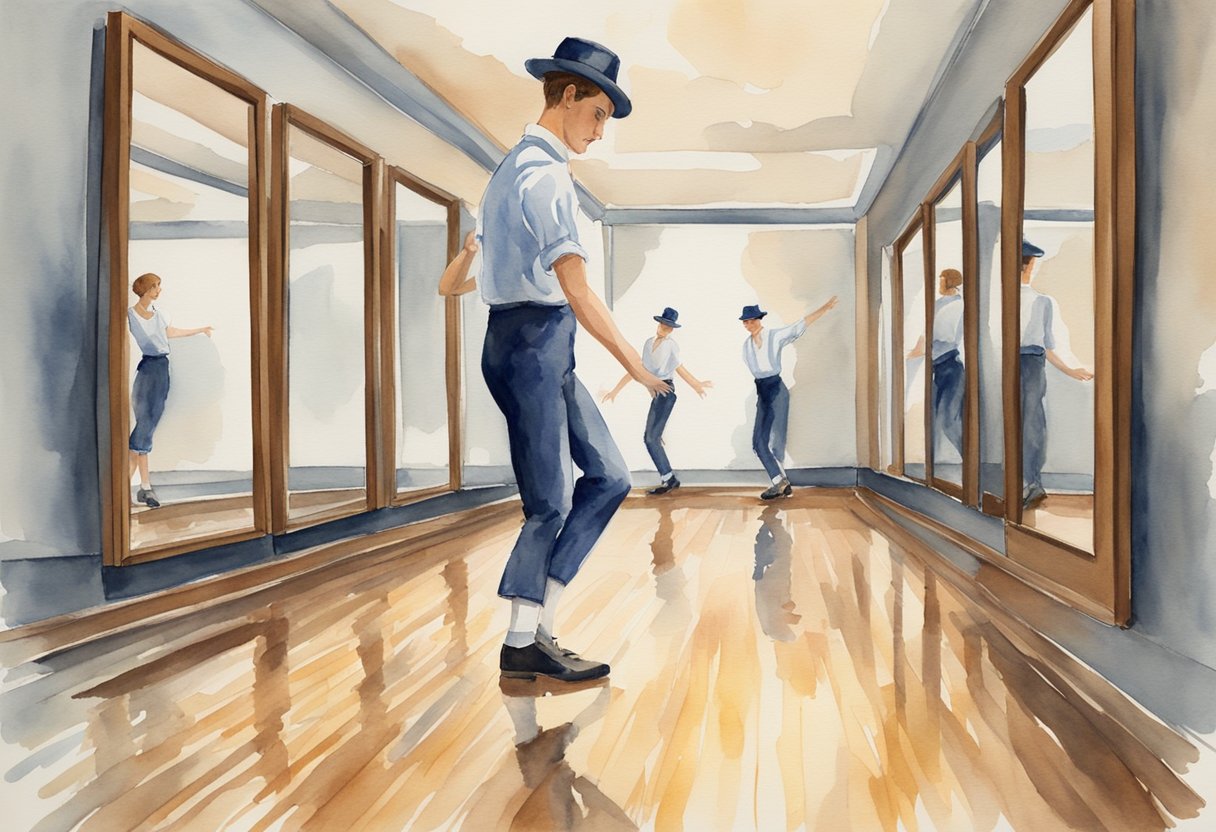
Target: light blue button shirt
[151,334]
[527,223]
[765,361]
[1038,319]
[663,360]
[947,325]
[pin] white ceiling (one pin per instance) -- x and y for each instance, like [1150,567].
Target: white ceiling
[740,103]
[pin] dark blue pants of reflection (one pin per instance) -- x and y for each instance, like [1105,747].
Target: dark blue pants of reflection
[552,421]
[1034,416]
[148,396]
[656,422]
[948,388]
[772,416]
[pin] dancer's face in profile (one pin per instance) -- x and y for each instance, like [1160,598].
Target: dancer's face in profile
[663,330]
[583,121]
[752,325]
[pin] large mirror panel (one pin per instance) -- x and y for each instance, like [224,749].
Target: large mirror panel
[947,351]
[991,404]
[186,273]
[1057,298]
[886,438]
[912,287]
[327,262]
[421,250]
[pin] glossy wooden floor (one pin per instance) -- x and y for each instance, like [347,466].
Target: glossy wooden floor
[775,667]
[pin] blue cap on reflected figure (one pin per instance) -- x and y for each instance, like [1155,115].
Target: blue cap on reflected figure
[1029,249]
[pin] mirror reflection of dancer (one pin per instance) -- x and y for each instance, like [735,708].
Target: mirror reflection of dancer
[152,331]
[948,371]
[661,356]
[1038,347]
[762,355]
[534,279]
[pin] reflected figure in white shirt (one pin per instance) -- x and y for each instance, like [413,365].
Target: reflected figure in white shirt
[948,369]
[1038,346]
[151,330]
[661,356]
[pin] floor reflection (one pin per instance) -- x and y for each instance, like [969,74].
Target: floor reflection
[845,686]
[771,573]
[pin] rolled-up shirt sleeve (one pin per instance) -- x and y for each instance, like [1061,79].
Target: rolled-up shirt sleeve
[550,206]
[786,334]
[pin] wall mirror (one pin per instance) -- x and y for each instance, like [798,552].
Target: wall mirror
[183,143]
[1067,252]
[1056,293]
[325,194]
[944,348]
[422,337]
[991,442]
[911,381]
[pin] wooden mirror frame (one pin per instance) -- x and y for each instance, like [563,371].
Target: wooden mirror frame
[388,340]
[960,171]
[122,31]
[284,117]
[1097,583]
[898,351]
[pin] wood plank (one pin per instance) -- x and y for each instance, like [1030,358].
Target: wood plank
[797,664]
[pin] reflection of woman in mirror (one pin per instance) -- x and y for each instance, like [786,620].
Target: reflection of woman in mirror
[1039,322]
[948,374]
[151,330]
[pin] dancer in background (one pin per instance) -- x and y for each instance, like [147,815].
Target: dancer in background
[661,356]
[762,355]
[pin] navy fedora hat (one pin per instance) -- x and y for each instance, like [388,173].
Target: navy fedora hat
[668,317]
[750,312]
[589,60]
[1029,249]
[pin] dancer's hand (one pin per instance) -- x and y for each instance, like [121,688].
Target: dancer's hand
[651,382]
[702,387]
[609,396]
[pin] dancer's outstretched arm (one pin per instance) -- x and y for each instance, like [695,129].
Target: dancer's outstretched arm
[591,313]
[699,386]
[620,385]
[821,311]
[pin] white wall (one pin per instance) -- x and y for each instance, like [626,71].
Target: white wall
[708,273]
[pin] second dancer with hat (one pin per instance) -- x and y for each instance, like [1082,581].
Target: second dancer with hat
[762,355]
[661,356]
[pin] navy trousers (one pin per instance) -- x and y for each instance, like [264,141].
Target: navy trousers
[1034,416]
[552,421]
[772,416]
[148,395]
[656,423]
[948,389]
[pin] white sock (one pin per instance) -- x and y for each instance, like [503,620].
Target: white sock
[553,593]
[778,478]
[145,486]
[669,476]
[525,615]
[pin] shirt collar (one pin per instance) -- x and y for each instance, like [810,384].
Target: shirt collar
[550,139]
